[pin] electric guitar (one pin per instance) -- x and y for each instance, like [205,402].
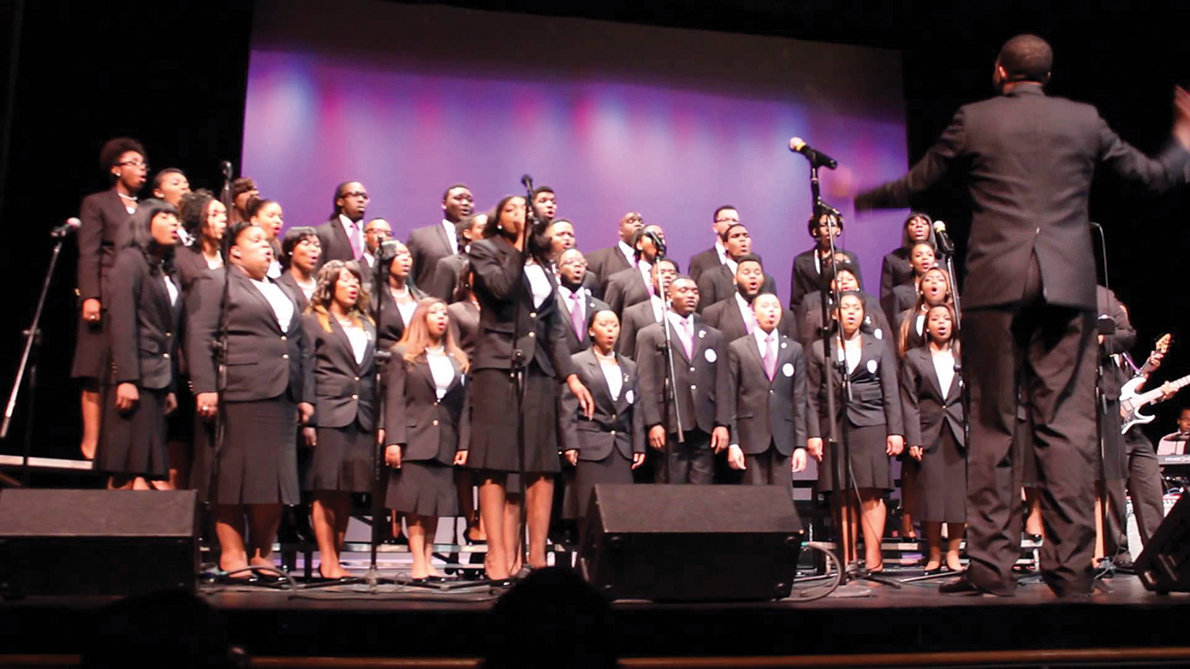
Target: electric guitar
[1132,401]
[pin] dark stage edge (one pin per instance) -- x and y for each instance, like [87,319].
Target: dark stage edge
[916,619]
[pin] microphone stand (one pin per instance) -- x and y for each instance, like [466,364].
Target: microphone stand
[953,277]
[380,281]
[29,362]
[837,439]
[1100,415]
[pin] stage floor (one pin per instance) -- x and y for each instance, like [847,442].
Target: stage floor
[874,619]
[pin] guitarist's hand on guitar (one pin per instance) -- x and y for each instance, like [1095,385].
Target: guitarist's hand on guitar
[1168,390]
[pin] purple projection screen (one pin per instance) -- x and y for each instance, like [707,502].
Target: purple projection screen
[672,123]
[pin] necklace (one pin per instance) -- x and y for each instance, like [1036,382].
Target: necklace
[126,197]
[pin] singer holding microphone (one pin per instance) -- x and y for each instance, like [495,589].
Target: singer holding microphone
[1029,302]
[520,355]
[101,235]
[267,387]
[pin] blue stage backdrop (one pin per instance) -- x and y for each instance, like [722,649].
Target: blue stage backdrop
[615,117]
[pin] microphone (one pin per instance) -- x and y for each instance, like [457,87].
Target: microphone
[817,158]
[225,168]
[945,245]
[66,228]
[657,241]
[387,250]
[527,181]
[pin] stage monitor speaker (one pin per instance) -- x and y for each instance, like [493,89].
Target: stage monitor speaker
[97,542]
[1164,564]
[691,543]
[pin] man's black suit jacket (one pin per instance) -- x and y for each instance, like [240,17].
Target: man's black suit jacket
[1029,160]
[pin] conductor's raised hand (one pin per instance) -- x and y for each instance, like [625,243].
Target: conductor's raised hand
[1181,116]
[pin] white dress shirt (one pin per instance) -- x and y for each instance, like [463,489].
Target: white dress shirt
[283,307]
[452,235]
[944,368]
[359,341]
[615,379]
[172,290]
[746,313]
[441,370]
[539,284]
[628,252]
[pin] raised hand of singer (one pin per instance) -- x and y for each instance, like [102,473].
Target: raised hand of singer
[126,396]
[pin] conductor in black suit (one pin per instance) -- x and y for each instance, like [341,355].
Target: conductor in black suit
[342,237]
[432,243]
[700,385]
[1030,302]
[766,374]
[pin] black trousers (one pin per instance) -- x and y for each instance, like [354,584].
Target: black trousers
[689,462]
[1144,486]
[1050,352]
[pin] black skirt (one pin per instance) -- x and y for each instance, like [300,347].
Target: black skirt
[423,488]
[942,482]
[92,349]
[615,468]
[134,442]
[342,460]
[494,419]
[257,463]
[869,461]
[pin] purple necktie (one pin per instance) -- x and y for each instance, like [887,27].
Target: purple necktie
[357,241]
[576,315]
[770,358]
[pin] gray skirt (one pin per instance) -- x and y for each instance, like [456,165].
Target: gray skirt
[257,463]
[134,442]
[494,420]
[342,460]
[942,483]
[423,488]
[869,461]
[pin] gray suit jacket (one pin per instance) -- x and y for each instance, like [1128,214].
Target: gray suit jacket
[624,289]
[604,263]
[428,245]
[590,305]
[335,243]
[701,383]
[390,326]
[506,312]
[1029,160]
[262,360]
[344,390]
[702,261]
[725,317]
[426,427]
[635,318]
[617,422]
[718,283]
[104,231]
[764,411]
[876,397]
[445,277]
[928,407]
[145,327]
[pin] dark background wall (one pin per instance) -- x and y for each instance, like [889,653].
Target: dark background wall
[174,75]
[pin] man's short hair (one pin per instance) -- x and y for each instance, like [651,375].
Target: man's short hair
[1027,58]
